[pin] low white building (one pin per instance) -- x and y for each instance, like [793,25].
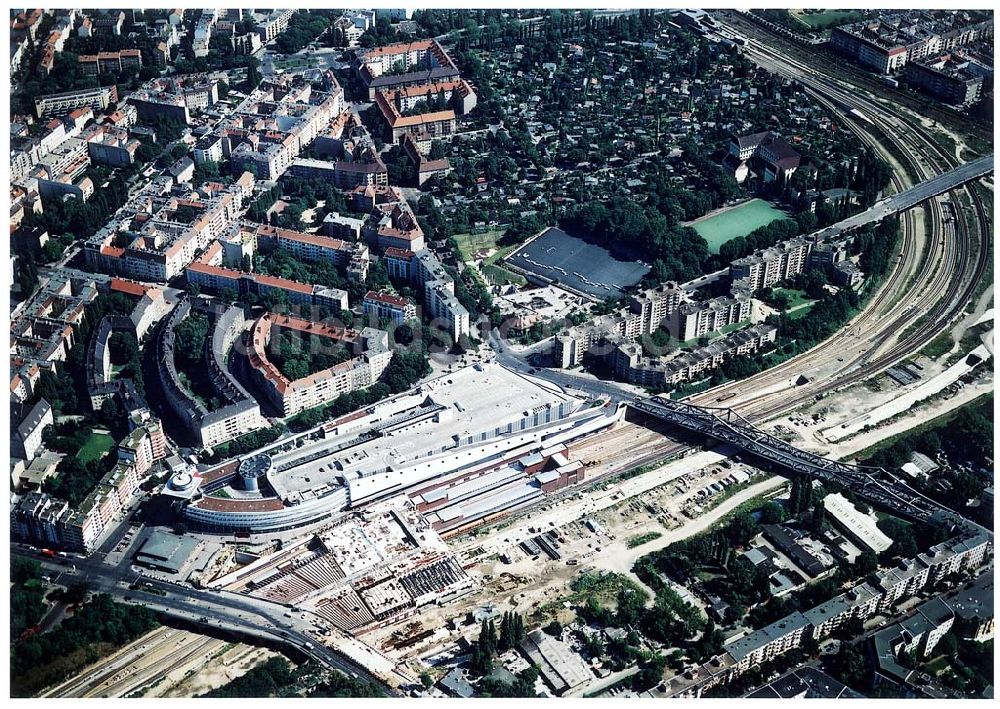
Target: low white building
[860,527]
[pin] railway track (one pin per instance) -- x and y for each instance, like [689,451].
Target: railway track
[946,265]
[823,58]
[137,665]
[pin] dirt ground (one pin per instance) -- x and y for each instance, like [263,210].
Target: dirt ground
[190,680]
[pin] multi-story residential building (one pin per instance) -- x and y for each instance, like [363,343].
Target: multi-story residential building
[201,41]
[628,363]
[110,62]
[691,320]
[439,293]
[917,633]
[765,644]
[647,312]
[954,556]
[107,145]
[247,44]
[274,24]
[239,415]
[50,522]
[859,602]
[397,263]
[207,273]
[175,97]
[208,149]
[948,78]
[28,424]
[655,305]
[110,22]
[58,104]
[35,517]
[394,226]
[275,123]
[149,244]
[154,427]
[43,328]
[423,269]
[405,64]
[345,174]
[770,265]
[340,226]
[900,581]
[889,42]
[973,609]
[136,450]
[25,24]
[381,304]
[161,55]
[436,124]
[311,247]
[319,388]
[424,166]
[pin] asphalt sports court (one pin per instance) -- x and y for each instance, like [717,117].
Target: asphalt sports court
[577,264]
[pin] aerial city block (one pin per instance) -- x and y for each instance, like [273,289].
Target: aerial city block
[616,353]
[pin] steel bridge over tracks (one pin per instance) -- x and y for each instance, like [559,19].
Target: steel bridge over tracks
[874,485]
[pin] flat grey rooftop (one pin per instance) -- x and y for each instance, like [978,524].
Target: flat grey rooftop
[578,264]
[445,410]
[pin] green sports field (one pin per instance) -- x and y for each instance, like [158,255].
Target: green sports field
[730,222]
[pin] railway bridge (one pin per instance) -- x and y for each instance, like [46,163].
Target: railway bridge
[874,485]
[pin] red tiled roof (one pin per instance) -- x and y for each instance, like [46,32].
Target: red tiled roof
[122,285]
[217,504]
[282,283]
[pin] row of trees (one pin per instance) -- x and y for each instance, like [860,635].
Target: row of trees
[405,369]
[276,677]
[303,28]
[297,357]
[490,644]
[100,621]
[248,442]
[27,596]
[622,226]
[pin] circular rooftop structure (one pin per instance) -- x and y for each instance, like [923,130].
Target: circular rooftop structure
[182,481]
[252,469]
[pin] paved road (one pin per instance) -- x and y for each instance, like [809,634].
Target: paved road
[940,184]
[227,611]
[518,362]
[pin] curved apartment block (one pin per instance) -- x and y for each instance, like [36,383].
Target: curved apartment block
[371,357]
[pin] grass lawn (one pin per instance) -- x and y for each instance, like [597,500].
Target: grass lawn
[96,447]
[937,665]
[722,225]
[499,275]
[822,19]
[801,312]
[693,343]
[795,296]
[468,244]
